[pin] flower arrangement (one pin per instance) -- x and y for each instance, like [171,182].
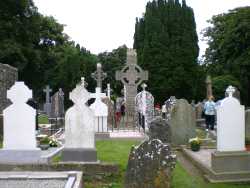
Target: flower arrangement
[195,144]
[53,142]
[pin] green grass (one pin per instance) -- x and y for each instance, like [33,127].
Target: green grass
[43,119]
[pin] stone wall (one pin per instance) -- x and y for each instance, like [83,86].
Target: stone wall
[8,76]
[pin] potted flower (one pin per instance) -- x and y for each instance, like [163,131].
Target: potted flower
[44,143]
[195,144]
[53,142]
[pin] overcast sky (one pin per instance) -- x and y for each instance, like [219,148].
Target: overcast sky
[103,25]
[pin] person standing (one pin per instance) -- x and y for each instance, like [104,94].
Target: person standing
[210,112]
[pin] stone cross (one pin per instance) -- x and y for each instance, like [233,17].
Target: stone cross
[131,76]
[84,83]
[47,90]
[230,91]
[108,90]
[144,86]
[99,75]
[209,87]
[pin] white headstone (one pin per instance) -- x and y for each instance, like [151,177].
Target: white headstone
[100,110]
[19,120]
[79,121]
[230,124]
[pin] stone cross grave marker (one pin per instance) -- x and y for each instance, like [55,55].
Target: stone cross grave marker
[131,76]
[108,90]
[57,104]
[79,128]
[47,105]
[19,119]
[99,75]
[230,124]
[84,83]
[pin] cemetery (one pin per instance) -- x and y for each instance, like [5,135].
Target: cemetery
[153,116]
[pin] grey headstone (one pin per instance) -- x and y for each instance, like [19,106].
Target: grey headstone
[150,165]
[131,76]
[198,110]
[169,106]
[111,110]
[247,123]
[8,76]
[159,129]
[182,123]
[57,104]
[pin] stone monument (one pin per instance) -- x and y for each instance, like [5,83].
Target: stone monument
[150,165]
[182,122]
[99,75]
[79,128]
[131,76]
[47,105]
[209,86]
[100,110]
[19,141]
[57,104]
[144,107]
[8,76]
[231,155]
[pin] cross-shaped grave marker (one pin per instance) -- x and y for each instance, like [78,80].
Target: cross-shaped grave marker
[99,75]
[230,91]
[131,76]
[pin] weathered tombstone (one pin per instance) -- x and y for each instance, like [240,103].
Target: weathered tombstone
[47,105]
[8,76]
[111,111]
[99,75]
[231,156]
[160,129]
[150,165]
[198,110]
[144,104]
[79,128]
[19,141]
[131,76]
[247,124]
[169,106]
[100,110]
[57,104]
[182,122]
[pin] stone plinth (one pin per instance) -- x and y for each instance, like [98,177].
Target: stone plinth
[231,161]
[79,154]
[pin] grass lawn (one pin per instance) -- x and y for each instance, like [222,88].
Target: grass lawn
[43,119]
[118,151]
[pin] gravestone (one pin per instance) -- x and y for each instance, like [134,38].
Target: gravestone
[131,76]
[236,94]
[169,104]
[198,110]
[19,141]
[99,75]
[111,111]
[57,104]
[230,124]
[150,165]
[144,104]
[231,156]
[100,110]
[8,76]
[182,122]
[47,105]
[108,91]
[159,129]
[247,124]
[79,128]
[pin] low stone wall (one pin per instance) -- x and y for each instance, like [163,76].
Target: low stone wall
[92,170]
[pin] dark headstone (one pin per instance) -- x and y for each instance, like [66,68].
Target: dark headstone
[160,129]
[57,104]
[8,76]
[150,165]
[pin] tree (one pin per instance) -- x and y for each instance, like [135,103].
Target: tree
[167,46]
[229,47]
